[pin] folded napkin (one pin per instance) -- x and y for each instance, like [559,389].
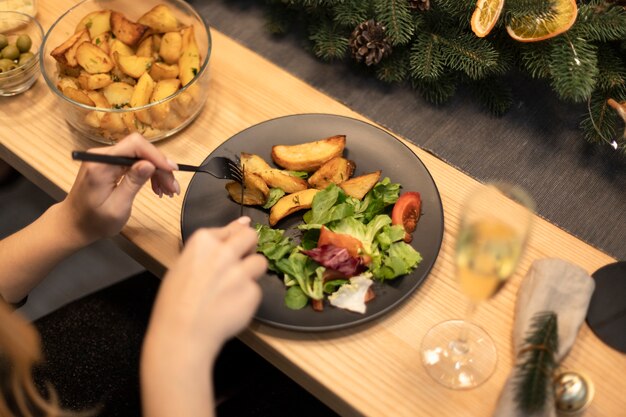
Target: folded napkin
[550,285]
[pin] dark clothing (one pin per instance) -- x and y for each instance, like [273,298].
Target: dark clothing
[92,348]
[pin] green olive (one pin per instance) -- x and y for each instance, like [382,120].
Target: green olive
[23,43]
[25,57]
[7,65]
[10,52]
[4,41]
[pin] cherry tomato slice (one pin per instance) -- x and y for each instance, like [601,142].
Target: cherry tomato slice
[406,212]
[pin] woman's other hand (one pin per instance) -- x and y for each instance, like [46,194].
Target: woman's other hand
[101,198]
[207,297]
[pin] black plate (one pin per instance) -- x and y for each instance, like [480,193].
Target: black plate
[207,204]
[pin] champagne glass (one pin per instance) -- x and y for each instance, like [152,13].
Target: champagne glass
[495,223]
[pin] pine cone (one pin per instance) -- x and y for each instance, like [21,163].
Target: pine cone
[422,5]
[369,43]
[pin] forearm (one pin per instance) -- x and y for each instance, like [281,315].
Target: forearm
[174,380]
[27,256]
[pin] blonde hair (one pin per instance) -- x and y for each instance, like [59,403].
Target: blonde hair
[20,350]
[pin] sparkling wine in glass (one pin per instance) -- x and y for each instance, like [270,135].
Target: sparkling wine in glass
[494,227]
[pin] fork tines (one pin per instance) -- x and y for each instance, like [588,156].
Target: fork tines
[234,170]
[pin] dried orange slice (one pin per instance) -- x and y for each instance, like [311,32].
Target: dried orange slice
[485,16]
[532,30]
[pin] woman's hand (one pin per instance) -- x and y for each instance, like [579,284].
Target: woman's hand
[207,297]
[101,198]
[97,206]
[211,293]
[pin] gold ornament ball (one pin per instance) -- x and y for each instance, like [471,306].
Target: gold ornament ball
[572,392]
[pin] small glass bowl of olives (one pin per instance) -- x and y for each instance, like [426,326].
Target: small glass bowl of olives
[20,38]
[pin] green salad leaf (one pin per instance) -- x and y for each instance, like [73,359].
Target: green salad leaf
[275,195]
[364,220]
[295,298]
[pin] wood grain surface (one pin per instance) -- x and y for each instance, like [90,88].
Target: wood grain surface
[373,369]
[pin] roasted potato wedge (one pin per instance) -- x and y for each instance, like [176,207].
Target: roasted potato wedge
[93,59]
[160,19]
[291,203]
[78,95]
[96,22]
[70,55]
[183,104]
[277,178]
[141,96]
[274,178]
[133,65]
[357,187]
[100,100]
[171,47]
[67,71]
[189,62]
[118,94]
[308,156]
[255,191]
[64,82]
[126,31]
[120,47]
[94,81]
[254,163]
[112,123]
[161,114]
[162,71]
[146,47]
[59,52]
[335,171]
[103,41]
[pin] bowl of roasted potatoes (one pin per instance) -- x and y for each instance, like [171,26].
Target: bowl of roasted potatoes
[20,37]
[120,67]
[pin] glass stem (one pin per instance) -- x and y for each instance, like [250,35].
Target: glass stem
[460,345]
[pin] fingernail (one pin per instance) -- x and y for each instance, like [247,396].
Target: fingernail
[172,164]
[176,186]
[244,220]
[160,193]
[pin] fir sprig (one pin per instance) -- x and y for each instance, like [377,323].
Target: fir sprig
[573,67]
[437,51]
[396,17]
[536,363]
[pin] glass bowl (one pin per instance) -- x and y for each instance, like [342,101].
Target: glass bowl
[23,6]
[106,110]
[24,74]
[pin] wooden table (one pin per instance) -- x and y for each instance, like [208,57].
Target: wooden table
[374,369]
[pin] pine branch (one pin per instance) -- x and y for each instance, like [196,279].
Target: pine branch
[536,363]
[438,91]
[469,54]
[573,66]
[495,94]
[396,17]
[279,18]
[329,42]
[394,68]
[611,69]
[350,13]
[535,58]
[460,9]
[426,60]
[601,123]
[599,21]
